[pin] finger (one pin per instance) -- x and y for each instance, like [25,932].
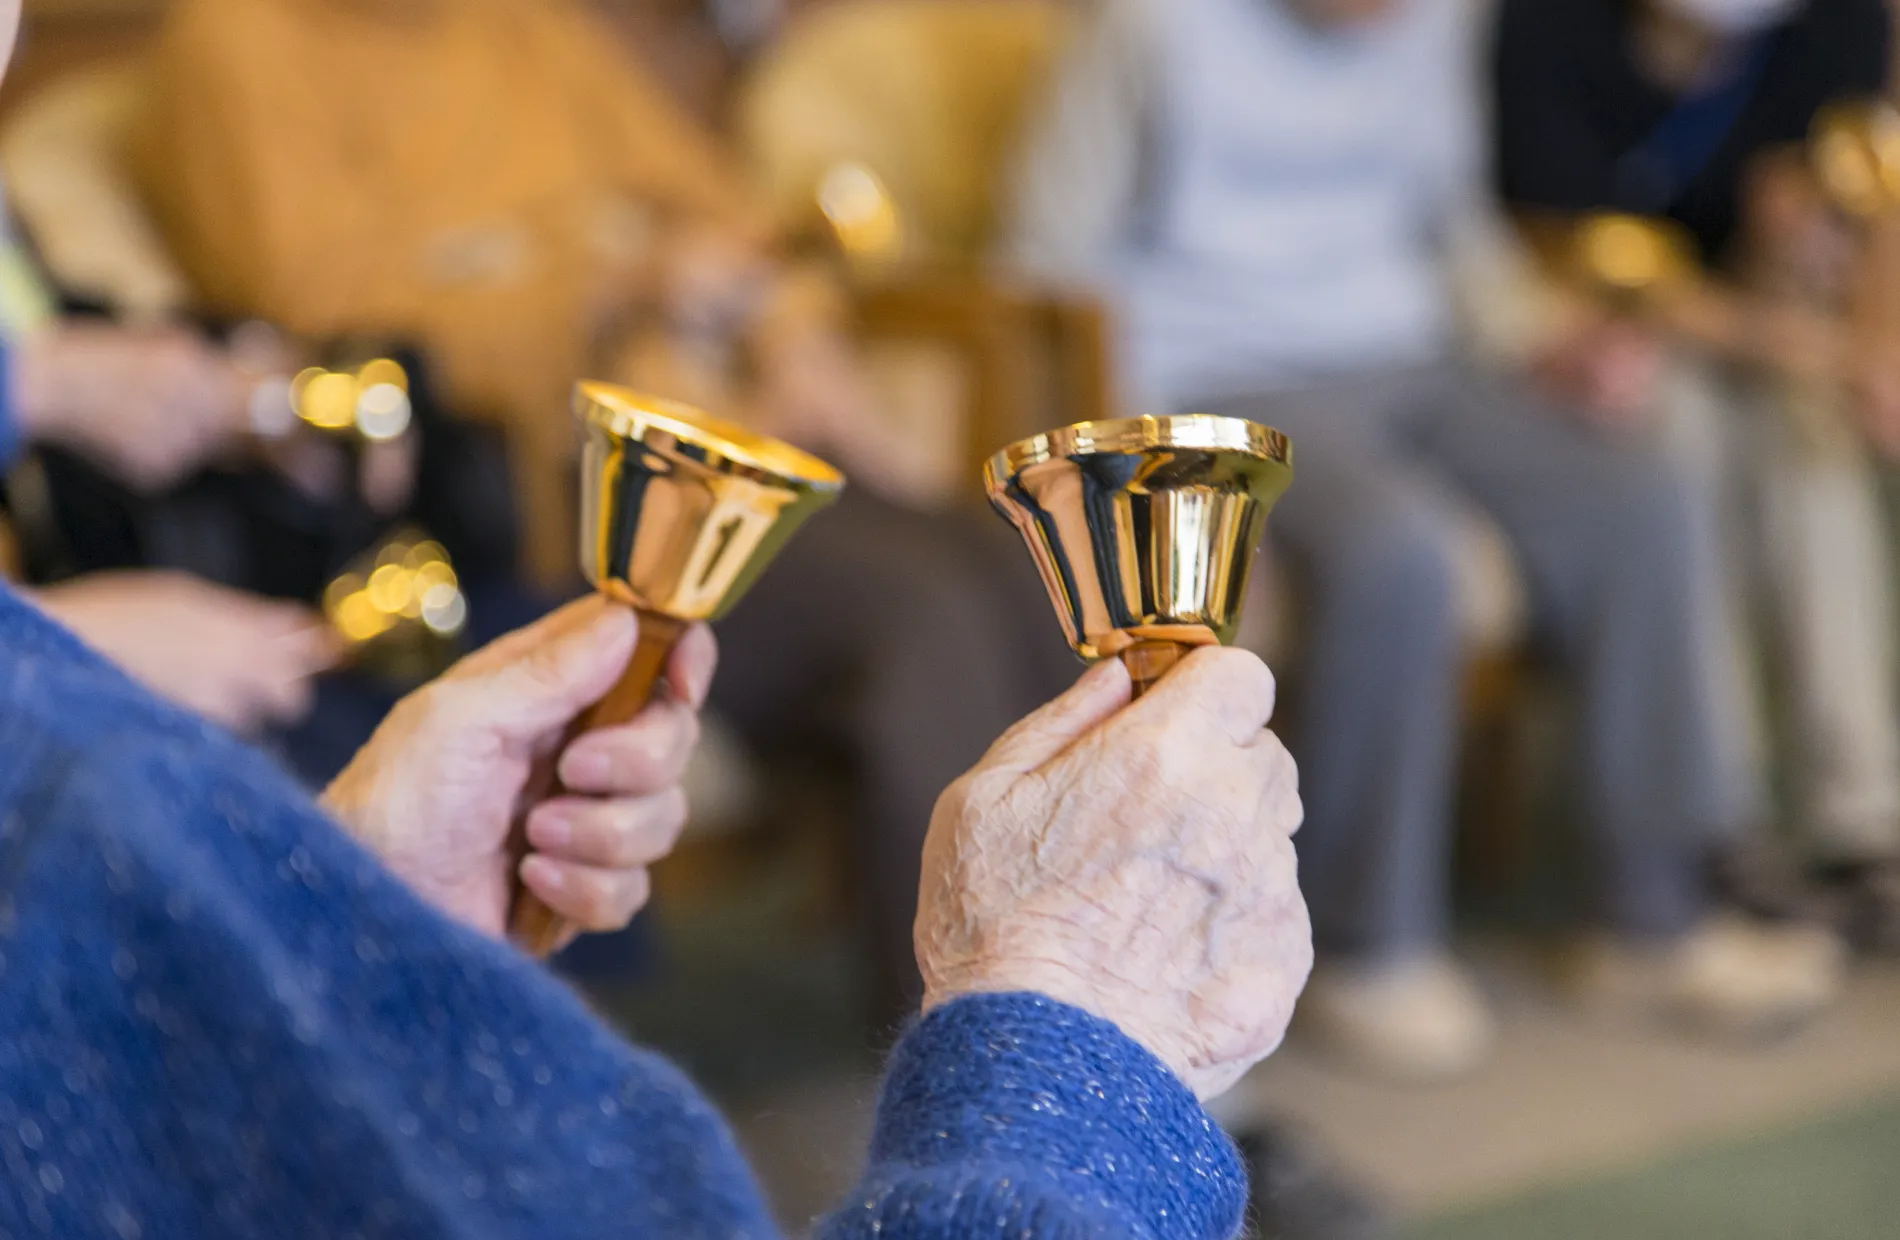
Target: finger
[1231,687]
[1278,777]
[691,669]
[644,757]
[614,835]
[284,699]
[309,648]
[538,679]
[1102,690]
[594,899]
[513,647]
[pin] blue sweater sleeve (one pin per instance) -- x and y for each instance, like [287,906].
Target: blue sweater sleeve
[224,1020]
[1012,1115]
[9,423]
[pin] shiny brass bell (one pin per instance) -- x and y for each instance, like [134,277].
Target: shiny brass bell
[1144,529]
[399,610]
[1854,149]
[369,402]
[1631,259]
[680,514]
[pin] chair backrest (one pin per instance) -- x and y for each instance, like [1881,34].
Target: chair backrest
[928,94]
[64,156]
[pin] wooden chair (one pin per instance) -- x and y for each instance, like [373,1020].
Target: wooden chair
[924,98]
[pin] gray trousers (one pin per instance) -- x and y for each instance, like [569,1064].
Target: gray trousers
[1623,581]
[1792,483]
[904,644]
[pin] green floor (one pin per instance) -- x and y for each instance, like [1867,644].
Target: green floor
[1838,1180]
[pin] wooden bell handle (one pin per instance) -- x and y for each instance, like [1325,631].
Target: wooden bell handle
[1149,661]
[1151,651]
[536,928]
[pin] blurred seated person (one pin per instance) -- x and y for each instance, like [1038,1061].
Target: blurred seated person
[246,1014]
[493,181]
[1700,112]
[150,407]
[163,499]
[1274,194]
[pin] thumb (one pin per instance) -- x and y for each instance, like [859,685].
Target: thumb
[1226,688]
[540,678]
[1102,691]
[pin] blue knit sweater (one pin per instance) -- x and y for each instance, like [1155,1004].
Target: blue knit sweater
[220,1018]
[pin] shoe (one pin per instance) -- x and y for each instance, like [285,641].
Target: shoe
[1299,1193]
[1759,875]
[1729,978]
[1867,895]
[1421,1019]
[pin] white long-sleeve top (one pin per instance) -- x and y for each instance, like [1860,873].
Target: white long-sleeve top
[1264,203]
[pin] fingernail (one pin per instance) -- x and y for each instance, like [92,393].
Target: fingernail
[589,768]
[543,873]
[553,831]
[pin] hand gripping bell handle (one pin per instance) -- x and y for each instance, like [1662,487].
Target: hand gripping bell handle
[536,928]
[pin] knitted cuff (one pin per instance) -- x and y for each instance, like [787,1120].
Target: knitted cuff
[1022,1080]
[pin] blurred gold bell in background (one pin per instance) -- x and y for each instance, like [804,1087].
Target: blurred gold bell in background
[1631,258]
[370,401]
[1854,149]
[399,609]
[1144,529]
[358,393]
[680,514]
[862,216]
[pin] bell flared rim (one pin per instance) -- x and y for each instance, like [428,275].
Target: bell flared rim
[629,414]
[1204,432]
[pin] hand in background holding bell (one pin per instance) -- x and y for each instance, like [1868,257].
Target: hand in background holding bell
[238,659]
[1607,370]
[1135,861]
[150,406]
[437,791]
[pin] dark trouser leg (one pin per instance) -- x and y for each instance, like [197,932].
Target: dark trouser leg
[910,641]
[1380,677]
[1625,581]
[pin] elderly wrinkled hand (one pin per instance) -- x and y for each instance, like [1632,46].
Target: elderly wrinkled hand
[437,791]
[152,406]
[239,659]
[1135,861]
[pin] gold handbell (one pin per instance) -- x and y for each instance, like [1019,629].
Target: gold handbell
[680,514]
[1854,149]
[1144,529]
[1630,259]
[399,610]
[369,402]
[862,216]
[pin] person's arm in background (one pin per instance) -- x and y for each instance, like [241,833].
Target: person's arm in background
[1507,314]
[147,405]
[1553,169]
[1514,314]
[1728,315]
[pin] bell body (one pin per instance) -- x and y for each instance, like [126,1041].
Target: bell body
[1854,151]
[680,512]
[1631,260]
[1144,529]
